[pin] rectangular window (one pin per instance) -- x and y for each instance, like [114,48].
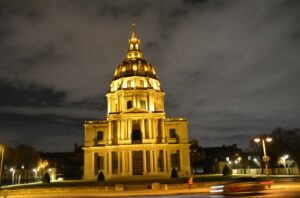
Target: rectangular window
[172,133]
[129,104]
[160,161]
[174,160]
[100,136]
[99,163]
[143,104]
[114,158]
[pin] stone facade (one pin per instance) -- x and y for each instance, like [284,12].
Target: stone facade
[136,140]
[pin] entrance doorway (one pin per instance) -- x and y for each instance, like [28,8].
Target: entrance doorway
[137,162]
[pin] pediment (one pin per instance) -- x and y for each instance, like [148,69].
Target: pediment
[136,110]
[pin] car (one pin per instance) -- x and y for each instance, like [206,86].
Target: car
[241,184]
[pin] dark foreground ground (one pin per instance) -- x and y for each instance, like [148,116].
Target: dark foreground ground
[282,187]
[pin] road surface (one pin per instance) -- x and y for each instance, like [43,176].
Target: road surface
[286,193]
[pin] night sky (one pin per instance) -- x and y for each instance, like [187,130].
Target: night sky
[232,68]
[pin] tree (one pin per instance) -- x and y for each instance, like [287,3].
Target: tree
[46,178]
[101,177]
[25,156]
[22,158]
[284,141]
[226,170]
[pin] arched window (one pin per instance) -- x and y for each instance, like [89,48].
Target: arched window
[128,83]
[142,83]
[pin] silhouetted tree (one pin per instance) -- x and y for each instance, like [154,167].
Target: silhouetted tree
[174,173]
[285,141]
[101,176]
[46,178]
[22,158]
[226,170]
[26,156]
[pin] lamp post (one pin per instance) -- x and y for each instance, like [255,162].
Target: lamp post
[265,157]
[1,165]
[35,174]
[12,170]
[283,158]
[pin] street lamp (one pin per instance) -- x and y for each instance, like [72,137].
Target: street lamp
[283,158]
[35,173]
[265,157]
[12,170]
[1,165]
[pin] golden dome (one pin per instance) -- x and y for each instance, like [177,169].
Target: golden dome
[134,64]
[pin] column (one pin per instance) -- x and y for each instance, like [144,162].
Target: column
[119,129]
[118,102]
[122,130]
[155,161]
[168,161]
[119,162]
[105,163]
[163,131]
[94,163]
[109,163]
[155,124]
[165,161]
[125,129]
[108,106]
[144,163]
[150,128]
[134,102]
[123,163]
[129,129]
[180,160]
[151,161]
[143,128]
[130,162]
[109,133]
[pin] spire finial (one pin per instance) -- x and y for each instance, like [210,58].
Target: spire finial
[133,36]
[134,45]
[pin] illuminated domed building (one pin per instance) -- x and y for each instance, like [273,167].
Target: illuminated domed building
[136,139]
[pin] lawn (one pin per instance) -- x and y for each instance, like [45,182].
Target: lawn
[91,184]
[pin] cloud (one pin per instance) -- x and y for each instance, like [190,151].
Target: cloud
[239,58]
[230,67]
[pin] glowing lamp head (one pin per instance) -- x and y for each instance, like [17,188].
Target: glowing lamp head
[268,139]
[256,140]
